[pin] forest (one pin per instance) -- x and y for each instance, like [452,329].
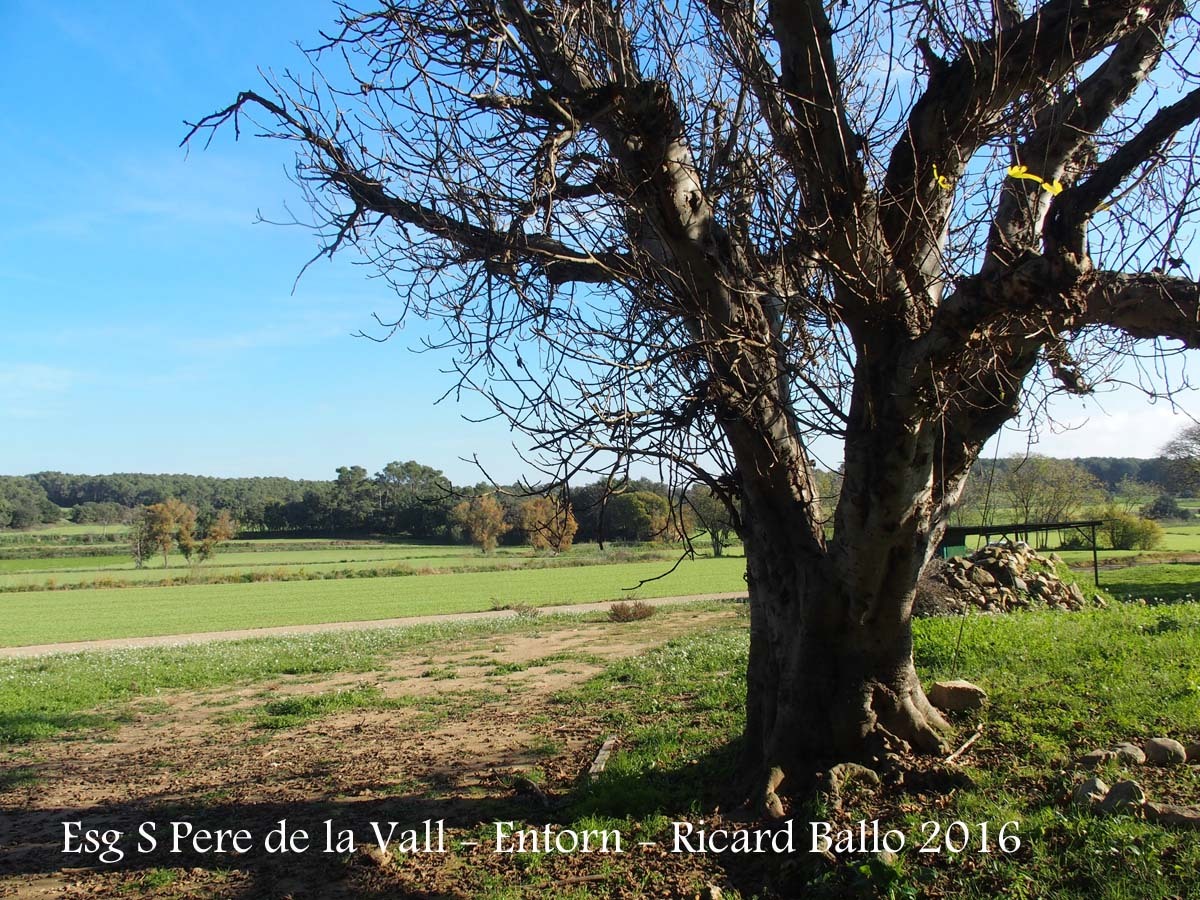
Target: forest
[416,500]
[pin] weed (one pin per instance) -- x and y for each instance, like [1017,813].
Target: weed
[630,612]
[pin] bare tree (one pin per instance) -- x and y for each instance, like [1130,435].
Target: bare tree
[1041,490]
[707,232]
[1183,455]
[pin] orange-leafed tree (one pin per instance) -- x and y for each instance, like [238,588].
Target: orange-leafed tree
[549,523]
[482,520]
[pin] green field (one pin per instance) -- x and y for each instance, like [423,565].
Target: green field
[1161,582]
[63,528]
[307,581]
[87,614]
[274,559]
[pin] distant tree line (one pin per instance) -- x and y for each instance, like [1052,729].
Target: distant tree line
[23,503]
[403,498]
[418,501]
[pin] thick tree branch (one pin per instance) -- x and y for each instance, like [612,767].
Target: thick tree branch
[964,105]
[828,149]
[1145,306]
[1060,131]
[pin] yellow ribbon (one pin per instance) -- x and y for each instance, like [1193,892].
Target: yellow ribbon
[1054,187]
[942,181]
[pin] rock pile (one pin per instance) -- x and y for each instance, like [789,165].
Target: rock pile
[1128,796]
[998,578]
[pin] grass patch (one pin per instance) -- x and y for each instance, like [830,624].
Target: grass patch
[20,776]
[42,697]
[289,712]
[155,879]
[1157,583]
[1060,684]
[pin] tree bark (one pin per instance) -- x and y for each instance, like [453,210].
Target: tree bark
[823,687]
[830,676]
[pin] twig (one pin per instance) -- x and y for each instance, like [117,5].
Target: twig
[606,749]
[972,739]
[578,879]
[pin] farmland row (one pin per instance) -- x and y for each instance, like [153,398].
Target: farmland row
[53,616]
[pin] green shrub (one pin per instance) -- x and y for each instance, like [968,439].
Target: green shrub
[1166,507]
[1125,531]
[1075,541]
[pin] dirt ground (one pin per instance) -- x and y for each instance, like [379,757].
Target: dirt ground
[164,640]
[477,736]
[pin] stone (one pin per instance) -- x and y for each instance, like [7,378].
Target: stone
[1164,752]
[1129,753]
[1096,758]
[956,696]
[1169,814]
[1089,792]
[1193,752]
[1099,601]
[371,855]
[1124,796]
[1019,585]
[981,577]
[1077,593]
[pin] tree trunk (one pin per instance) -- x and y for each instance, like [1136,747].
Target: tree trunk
[830,676]
[822,688]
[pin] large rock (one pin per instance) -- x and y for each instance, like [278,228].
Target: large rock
[980,576]
[1164,752]
[1096,758]
[1089,792]
[1169,814]
[1129,753]
[1193,752]
[1124,796]
[956,696]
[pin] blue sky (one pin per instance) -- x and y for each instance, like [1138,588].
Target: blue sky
[148,324]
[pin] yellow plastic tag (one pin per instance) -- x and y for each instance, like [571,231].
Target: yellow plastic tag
[1054,187]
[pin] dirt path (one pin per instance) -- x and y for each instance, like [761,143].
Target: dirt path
[205,636]
[455,732]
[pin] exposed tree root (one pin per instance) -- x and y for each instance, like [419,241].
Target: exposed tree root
[842,774]
[770,805]
[913,719]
